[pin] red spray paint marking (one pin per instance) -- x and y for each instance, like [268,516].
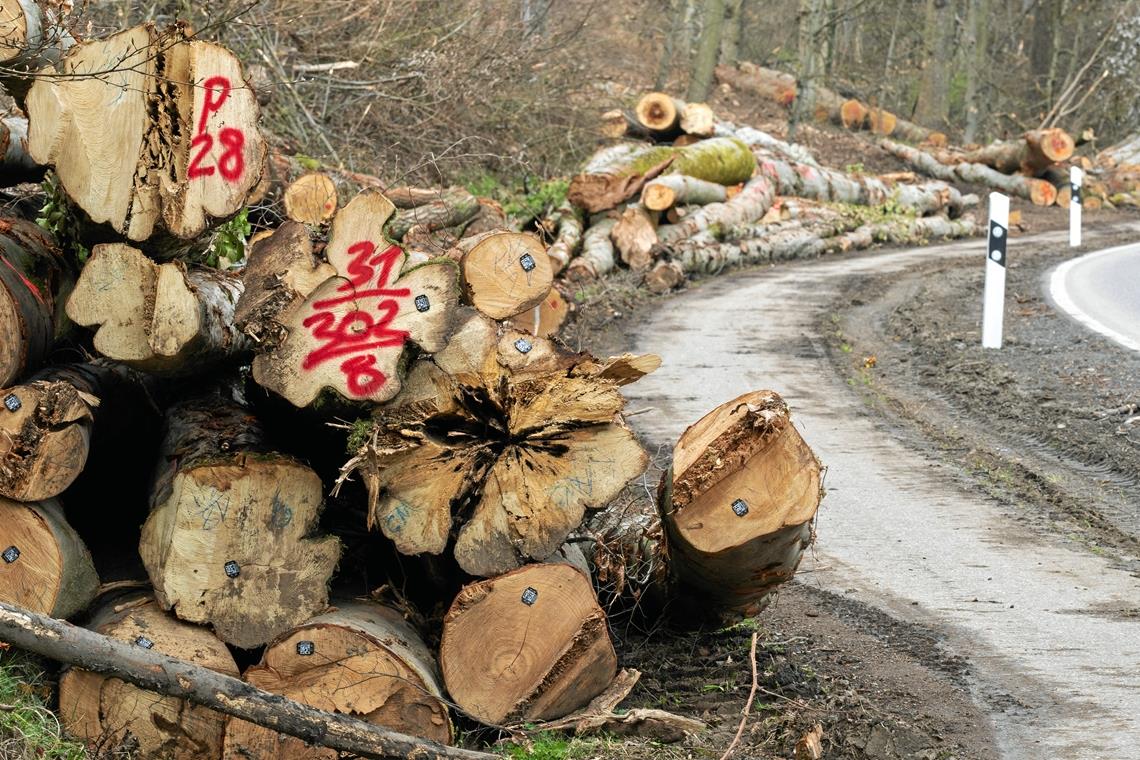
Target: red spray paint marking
[357,334]
[27,283]
[231,163]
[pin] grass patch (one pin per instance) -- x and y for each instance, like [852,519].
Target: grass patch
[28,728]
[553,747]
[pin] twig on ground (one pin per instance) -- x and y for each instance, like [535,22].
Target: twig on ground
[748,704]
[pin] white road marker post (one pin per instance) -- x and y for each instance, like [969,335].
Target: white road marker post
[993,304]
[1075,177]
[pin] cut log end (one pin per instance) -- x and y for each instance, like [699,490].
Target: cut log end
[698,120]
[658,196]
[657,111]
[853,114]
[311,199]
[499,672]
[44,566]
[45,432]
[882,122]
[546,319]
[664,276]
[506,273]
[1041,192]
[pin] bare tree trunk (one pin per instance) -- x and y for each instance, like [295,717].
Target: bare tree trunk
[810,62]
[934,87]
[676,24]
[977,38]
[702,72]
[730,35]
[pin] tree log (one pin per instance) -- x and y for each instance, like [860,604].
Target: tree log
[350,332]
[178,678]
[503,439]
[882,122]
[853,114]
[619,123]
[660,114]
[185,148]
[451,208]
[359,659]
[167,319]
[747,206]
[34,278]
[634,236]
[671,190]
[698,119]
[567,226]
[16,165]
[105,711]
[597,256]
[45,433]
[664,276]
[32,35]
[767,83]
[44,565]
[311,199]
[489,218]
[619,173]
[504,273]
[1040,192]
[229,539]
[1032,155]
[546,319]
[738,502]
[495,667]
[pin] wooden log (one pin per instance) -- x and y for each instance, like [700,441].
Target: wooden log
[853,114]
[16,165]
[185,149]
[360,659]
[1059,177]
[33,34]
[671,190]
[546,319]
[619,173]
[282,170]
[619,123]
[105,711]
[451,208]
[349,333]
[311,199]
[597,256]
[505,273]
[660,114]
[46,429]
[634,236]
[1040,192]
[882,122]
[184,680]
[767,83]
[44,565]
[489,218]
[229,540]
[748,205]
[526,432]
[567,225]
[664,276]
[698,119]
[738,502]
[1032,155]
[495,667]
[34,278]
[166,319]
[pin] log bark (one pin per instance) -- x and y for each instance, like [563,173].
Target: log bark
[738,502]
[546,319]
[501,442]
[108,712]
[1036,151]
[34,280]
[499,672]
[1040,192]
[46,431]
[229,540]
[185,149]
[619,123]
[44,565]
[359,659]
[311,199]
[773,85]
[33,34]
[634,236]
[349,333]
[16,165]
[167,319]
[597,256]
[618,173]
[749,205]
[202,686]
[451,208]
[664,276]
[567,226]
[671,190]
[504,273]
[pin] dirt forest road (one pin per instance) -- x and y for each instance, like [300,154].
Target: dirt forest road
[898,529]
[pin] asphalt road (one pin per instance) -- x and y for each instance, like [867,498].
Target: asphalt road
[1053,662]
[1102,291]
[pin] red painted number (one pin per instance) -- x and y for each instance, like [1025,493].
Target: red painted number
[231,163]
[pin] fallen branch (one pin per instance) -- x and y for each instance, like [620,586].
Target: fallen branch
[747,705]
[168,675]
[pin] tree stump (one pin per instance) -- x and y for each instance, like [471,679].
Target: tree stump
[501,441]
[44,565]
[526,646]
[360,659]
[738,502]
[229,540]
[184,148]
[106,712]
[349,333]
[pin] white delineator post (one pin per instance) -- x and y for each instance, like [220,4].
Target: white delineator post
[993,304]
[1075,177]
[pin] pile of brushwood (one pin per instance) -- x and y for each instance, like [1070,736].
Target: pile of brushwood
[328,493]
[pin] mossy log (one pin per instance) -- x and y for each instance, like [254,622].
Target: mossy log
[44,565]
[229,540]
[619,173]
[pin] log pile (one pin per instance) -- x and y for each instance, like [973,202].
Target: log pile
[439,576]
